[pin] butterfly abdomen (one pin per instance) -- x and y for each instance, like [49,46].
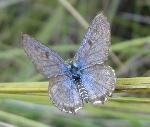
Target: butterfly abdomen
[83,92]
[75,75]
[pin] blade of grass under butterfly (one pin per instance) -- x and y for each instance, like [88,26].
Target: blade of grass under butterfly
[137,84]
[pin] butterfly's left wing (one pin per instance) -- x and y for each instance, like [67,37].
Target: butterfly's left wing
[62,89]
[64,94]
[99,81]
[94,48]
[47,62]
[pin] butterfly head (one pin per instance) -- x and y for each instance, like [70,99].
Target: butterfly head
[74,71]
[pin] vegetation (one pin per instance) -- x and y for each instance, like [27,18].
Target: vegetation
[61,25]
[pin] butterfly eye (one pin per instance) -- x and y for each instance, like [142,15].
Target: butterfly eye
[47,54]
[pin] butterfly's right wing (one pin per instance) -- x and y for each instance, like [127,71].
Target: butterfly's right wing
[99,81]
[94,48]
[64,94]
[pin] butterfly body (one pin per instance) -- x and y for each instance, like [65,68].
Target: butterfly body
[88,79]
[76,73]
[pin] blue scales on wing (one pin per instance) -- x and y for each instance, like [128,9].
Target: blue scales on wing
[99,81]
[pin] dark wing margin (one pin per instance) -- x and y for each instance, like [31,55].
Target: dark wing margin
[64,94]
[46,61]
[99,81]
[94,48]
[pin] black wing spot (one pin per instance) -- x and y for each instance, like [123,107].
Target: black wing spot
[47,54]
[90,42]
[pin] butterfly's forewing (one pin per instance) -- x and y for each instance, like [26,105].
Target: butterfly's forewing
[94,48]
[99,81]
[47,61]
[64,94]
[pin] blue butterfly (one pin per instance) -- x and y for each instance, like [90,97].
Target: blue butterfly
[87,78]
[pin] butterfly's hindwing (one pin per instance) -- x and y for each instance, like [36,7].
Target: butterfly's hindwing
[99,81]
[64,94]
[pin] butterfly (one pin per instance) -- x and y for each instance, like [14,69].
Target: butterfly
[87,78]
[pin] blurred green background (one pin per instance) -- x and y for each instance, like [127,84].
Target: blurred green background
[50,22]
